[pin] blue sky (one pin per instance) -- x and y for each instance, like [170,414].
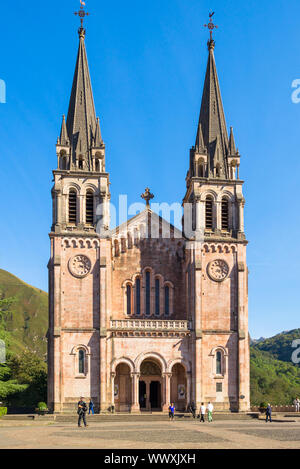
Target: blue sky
[147,63]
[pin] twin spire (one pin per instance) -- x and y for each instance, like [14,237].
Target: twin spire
[82,135]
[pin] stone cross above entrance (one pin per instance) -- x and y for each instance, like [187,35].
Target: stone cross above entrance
[147,196]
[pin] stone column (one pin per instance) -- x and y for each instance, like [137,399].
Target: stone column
[113,375]
[188,389]
[103,329]
[167,389]
[55,305]
[243,343]
[81,207]
[198,214]
[148,406]
[135,407]
[200,218]
[58,207]
[198,326]
[241,215]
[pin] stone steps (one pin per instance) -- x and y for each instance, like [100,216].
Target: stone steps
[119,417]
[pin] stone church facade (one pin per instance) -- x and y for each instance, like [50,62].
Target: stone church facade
[145,314]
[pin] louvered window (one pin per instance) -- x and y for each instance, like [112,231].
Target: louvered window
[209,213]
[89,214]
[225,215]
[72,207]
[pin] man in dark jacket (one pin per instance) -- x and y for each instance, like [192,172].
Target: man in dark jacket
[81,411]
[269,413]
[193,409]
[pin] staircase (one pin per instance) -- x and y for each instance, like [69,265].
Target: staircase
[126,417]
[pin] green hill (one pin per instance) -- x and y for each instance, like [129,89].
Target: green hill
[272,380]
[280,346]
[26,324]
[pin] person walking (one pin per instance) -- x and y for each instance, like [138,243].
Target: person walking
[193,409]
[171,411]
[202,412]
[81,411]
[296,404]
[91,407]
[210,409]
[269,413]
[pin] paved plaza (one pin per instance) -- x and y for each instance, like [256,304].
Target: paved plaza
[190,434]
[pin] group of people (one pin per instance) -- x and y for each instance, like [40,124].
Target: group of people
[192,409]
[82,409]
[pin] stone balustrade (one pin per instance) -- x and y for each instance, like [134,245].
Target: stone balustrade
[149,324]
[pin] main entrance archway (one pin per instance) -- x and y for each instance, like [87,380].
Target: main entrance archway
[150,386]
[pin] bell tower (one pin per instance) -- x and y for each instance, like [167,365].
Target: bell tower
[80,250]
[216,262]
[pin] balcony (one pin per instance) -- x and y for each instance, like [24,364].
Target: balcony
[149,327]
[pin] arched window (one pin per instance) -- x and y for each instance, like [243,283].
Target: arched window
[81,360]
[129,240]
[218,170]
[167,300]
[89,208]
[116,246]
[147,293]
[219,362]
[128,300]
[63,162]
[138,296]
[123,244]
[157,297]
[209,213]
[225,214]
[72,206]
[201,170]
[80,162]
[97,166]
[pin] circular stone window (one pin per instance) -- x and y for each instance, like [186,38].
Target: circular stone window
[218,270]
[79,265]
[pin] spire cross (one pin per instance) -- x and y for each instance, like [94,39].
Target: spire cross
[81,13]
[147,196]
[211,26]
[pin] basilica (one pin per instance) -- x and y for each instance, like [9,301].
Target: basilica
[145,314]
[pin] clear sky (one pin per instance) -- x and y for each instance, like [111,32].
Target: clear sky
[147,63]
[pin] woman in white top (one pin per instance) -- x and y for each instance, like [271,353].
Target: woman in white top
[202,412]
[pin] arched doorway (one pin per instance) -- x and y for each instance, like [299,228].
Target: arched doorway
[150,386]
[179,387]
[122,388]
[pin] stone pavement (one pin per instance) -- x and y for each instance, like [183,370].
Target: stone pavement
[190,434]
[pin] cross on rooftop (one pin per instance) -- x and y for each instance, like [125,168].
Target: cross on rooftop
[147,196]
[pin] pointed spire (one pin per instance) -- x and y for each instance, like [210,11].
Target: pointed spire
[98,139]
[199,146]
[63,139]
[81,120]
[212,118]
[232,148]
